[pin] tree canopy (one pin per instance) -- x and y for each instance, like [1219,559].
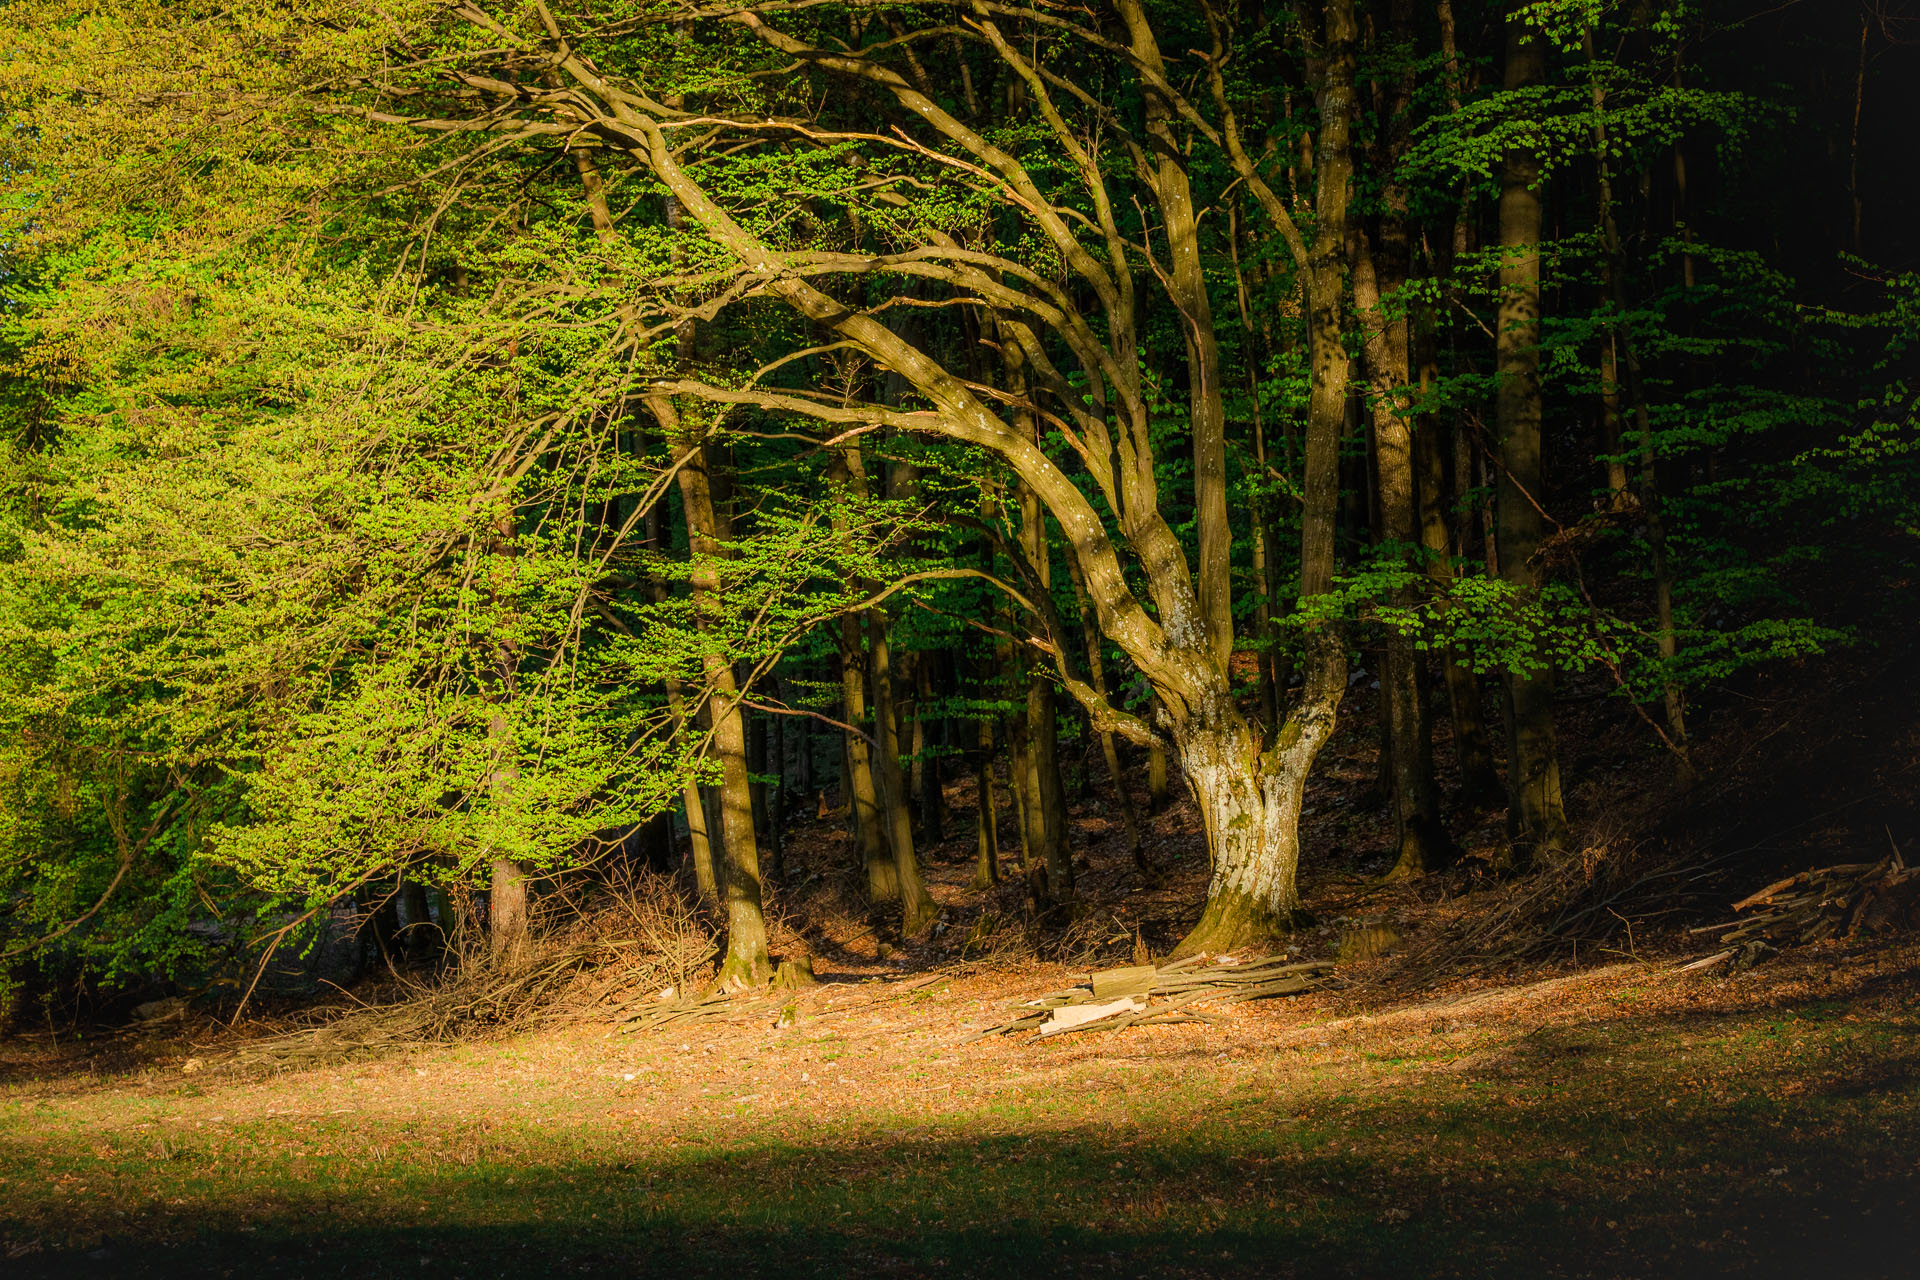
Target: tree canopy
[441,444]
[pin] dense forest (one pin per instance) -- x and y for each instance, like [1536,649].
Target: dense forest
[453,449]
[1026,638]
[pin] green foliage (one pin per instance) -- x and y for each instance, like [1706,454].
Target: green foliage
[326,443]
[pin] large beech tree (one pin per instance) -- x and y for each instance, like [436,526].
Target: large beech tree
[1072,304]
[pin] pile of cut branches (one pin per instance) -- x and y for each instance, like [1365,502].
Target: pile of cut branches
[585,956]
[478,996]
[670,1006]
[1116,998]
[1838,901]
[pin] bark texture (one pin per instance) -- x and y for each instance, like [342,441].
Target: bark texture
[1536,816]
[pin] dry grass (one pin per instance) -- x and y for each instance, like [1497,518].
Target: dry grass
[1627,1121]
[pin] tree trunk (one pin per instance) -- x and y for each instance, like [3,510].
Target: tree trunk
[1019,786]
[986,867]
[507,909]
[1535,817]
[859,785]
[883,883]
[753,725]
[1109,749]
[928,738]
[737,869]
[1479,779]
[699,839]
[1046,806]
[774,795]
[1378,273]
[917,908]
[1622,338]
[1423,841]
[1046,795]
[699,846]
[1611,444]
[913,731]
[419,937]
[507,920]
[1186,284]
[800,735]
[1273,677]
[1250,799]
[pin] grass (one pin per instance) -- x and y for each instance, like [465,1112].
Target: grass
[1767,1126]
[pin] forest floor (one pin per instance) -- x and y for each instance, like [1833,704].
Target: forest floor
[1453,1103]
[1621,1120]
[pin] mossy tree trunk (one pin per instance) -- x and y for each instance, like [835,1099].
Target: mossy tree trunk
[1250,799]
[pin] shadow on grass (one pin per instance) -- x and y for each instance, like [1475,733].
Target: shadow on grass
[1374,1188]
[1764,1143]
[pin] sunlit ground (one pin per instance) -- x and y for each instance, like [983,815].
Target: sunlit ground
[1625,1123]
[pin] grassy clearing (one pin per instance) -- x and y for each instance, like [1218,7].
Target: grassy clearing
[1626,1124]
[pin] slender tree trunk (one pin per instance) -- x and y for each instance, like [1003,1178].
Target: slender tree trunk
[773,794]
[913,732]
[1046,792]
[1379,272]
[507,907]
[1019,785]
[1047,798]
[753,723]
[1479,779]
[700,829]
[870,827]
[929,736]
[1423,841]
[1536,817]
[737,870]
[800,734]
[699,845]
[1109,749]
[1273,691]
[1186,284]
[986,867]
[863,796]
[1611,443]
[917,907]
[1622,338]
[1043,794]
[699,839]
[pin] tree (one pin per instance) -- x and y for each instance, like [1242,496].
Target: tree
[1249,796]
